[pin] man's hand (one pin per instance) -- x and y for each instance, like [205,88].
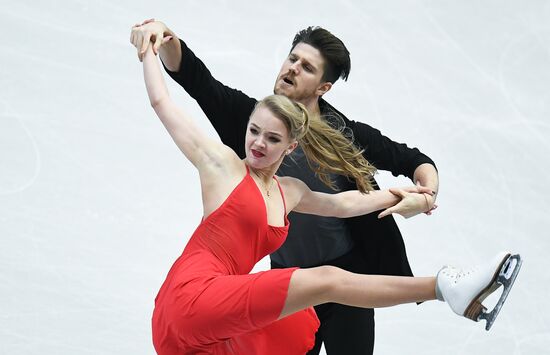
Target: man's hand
[146,32]
[414,200]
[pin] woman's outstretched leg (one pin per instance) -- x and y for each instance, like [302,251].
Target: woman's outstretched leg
[463,289]
[310,287]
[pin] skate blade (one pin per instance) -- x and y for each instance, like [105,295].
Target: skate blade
[475,308]
[506,277]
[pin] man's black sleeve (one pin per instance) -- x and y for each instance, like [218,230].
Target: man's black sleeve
[379,150]
[386,154]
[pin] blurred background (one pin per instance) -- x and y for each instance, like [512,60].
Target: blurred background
[96,202]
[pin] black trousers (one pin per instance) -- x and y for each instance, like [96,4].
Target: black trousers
[344,329]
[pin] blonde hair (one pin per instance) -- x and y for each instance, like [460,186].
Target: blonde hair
[326,147]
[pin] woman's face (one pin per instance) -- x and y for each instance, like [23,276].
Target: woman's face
[267,139]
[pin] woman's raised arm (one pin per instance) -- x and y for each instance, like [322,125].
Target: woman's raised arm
[190,139]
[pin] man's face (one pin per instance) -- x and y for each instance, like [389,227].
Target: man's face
[300,76]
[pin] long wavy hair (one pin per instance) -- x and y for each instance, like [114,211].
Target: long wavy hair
[326,147]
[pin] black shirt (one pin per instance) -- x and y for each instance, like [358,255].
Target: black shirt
[312,240]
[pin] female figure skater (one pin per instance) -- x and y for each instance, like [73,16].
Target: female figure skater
[210,304]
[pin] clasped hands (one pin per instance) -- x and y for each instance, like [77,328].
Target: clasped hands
[414,200]
[149,32]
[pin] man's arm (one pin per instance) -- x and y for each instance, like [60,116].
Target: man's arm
[426,175]
[170,52]
[398,158]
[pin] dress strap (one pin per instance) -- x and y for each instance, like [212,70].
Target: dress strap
[281,190]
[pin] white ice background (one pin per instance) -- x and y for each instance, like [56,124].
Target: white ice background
[96,201]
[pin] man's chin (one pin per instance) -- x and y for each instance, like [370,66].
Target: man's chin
[282,91]
[278,91]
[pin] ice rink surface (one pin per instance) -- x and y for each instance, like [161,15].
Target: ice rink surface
[96,201]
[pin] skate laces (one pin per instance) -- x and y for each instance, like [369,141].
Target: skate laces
[456,273]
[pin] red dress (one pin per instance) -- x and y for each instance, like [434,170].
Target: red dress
[210,304]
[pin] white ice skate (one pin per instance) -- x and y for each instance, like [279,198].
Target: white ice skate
[465,290]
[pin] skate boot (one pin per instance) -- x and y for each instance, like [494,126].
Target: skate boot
[465,290]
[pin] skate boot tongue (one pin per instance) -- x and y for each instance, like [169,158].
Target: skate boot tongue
[447,278]
[446,275]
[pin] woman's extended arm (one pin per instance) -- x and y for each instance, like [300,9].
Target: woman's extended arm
[352,203]
[189,138]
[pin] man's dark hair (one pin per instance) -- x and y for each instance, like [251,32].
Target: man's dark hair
[333,50]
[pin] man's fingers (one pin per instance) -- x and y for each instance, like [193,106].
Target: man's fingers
[394,191]
[398,192]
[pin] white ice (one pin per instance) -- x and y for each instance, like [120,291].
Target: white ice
[96,202]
